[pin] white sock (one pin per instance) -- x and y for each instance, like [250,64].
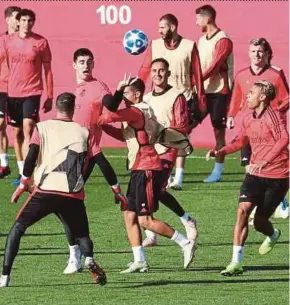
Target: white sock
[179,175]
[4,160]
[218,168]
[150,234]
[275,235]
[20,167]
[184,218]
[180,239]
[238,254]
[74,253]
[139,255]
[89,261]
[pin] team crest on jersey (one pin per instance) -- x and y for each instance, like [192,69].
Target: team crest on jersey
[82,93]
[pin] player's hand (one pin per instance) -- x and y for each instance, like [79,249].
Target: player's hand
[230,123]
[103,119]
[213,154]
[22,188]
[256,168]
[47,105]
[119,196]
[126,82]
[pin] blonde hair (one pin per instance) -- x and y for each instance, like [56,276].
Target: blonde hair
[267,88]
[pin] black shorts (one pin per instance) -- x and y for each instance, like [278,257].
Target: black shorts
[3,104]
[265,193]
[246,153]
[20,108]
[217,107]
[194,114]
[143,192]
[71,210]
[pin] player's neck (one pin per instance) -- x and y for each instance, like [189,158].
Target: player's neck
[10,30]
[211,29]
[24,35]
[160,89]
[81,80]
[257,69]
[173,41]
[260,109]
[63,116]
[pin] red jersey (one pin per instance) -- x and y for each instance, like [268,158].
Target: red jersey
[146,157]
[245,79]
[195,69]
[25,57]
[268,137]
[89,95]
[4,70]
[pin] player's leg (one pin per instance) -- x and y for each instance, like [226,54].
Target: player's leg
[275,191]
[74,263]
[179,172]
[133,228]
[30,110]
[15,119]
[73,213]
[4,167]
[34,209]
[195,118]
[251,194]
[147,195]
[170,202]
[218,113]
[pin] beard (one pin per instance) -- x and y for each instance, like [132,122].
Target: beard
[168,36]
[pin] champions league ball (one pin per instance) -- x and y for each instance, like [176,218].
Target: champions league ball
[135,42]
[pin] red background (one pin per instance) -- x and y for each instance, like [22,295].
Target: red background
[69,25]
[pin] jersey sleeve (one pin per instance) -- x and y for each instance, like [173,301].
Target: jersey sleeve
[236,99]
[282,91]
[238,142]
[223,49]
[278,127]
[180,115]
[145,68]
[196,78]
[45,52]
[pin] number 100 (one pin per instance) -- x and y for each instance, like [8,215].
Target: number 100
[111,14]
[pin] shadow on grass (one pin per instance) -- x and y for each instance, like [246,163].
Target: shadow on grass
[206,282]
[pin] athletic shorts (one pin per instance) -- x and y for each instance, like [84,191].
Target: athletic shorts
[143,192]
[20,108]
[217,107]
[71,210]
[246,153]
[3,104]
[265,193]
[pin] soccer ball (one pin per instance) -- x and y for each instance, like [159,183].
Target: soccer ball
[135,42]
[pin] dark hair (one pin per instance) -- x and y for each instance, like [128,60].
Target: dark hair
[171,19]
[138,85]
[206,10]
[265,44]
[267,88]
[26,12]
[83,52]
[65,102]
[10,10]
[166,63]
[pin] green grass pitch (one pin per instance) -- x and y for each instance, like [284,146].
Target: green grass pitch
[37,277]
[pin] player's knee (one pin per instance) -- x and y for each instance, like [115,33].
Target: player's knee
[2,124]
[218,124]
[145,221]
[259,222]
[18,229]
[242,213]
